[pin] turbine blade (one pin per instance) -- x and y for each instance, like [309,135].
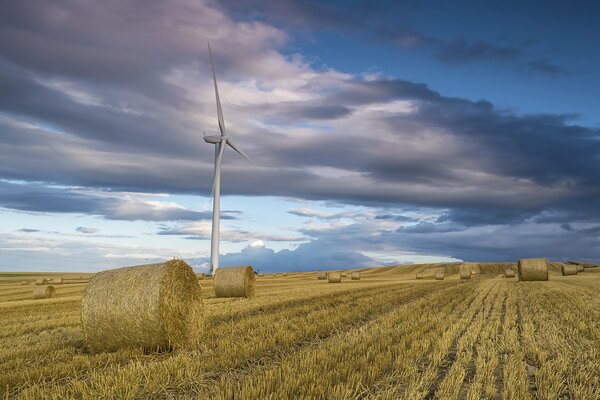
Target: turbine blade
[217,167]
[219,109]
[240,152]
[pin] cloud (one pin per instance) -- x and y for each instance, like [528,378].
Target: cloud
[28,230]
[34,197]
[83,229]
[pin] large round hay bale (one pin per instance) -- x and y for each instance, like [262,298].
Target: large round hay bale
[156,307]
[533,269]
[509,273]
[235,281]
[43,281]
[419,275]
[43,292]
[439,276]
[567,269]
[334,277]
[322,275]
[580,268]
[465,273]
[355,276]
[57,281]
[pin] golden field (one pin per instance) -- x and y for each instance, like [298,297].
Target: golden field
[386,336]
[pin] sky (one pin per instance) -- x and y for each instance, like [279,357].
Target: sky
[383,132]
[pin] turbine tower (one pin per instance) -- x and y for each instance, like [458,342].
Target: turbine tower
[219,141]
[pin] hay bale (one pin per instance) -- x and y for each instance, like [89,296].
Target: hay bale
[44,292]
[355,276]
[201,276]
[24,282]
[419,275]
[334,277]
[43,281]
[567,269]
[156,307]
[439,276]
[57,281]
[465,274]
[533,269]
[322,275]
[344,274]
[580,268]
[509,273]
[235,281]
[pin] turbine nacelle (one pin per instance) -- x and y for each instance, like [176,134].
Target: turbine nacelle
[214,139]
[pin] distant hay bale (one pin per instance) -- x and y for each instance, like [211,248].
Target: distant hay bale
[201,276]
[235,281]
[334,277]
[419,275]
[439,276]
[465,274]
[156,307]
[322,275]
[57,281]
[533,269]
[567,269]
[44,292]
[24,282]
[509,273]
[580,268]
[355,276]
[344,274]
[41,281]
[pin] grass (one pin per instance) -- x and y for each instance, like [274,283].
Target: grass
[387,336]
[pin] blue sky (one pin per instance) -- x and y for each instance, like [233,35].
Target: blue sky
[384,132]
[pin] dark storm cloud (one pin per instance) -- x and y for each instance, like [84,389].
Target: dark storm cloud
[374,20]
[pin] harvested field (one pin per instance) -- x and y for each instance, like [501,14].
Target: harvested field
[387,336]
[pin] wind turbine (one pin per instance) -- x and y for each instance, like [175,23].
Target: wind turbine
[219,141]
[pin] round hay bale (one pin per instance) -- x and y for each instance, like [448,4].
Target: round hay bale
[419,275]
[465,274]
[567,269]
[334,277]
[355,276]
[533,269]
[201,276]
[43,281]
[57,281]
[156,307]
[44,292]
[580,268]
[24,282]
[439,276]
[322,275]
[509,273]
[344,274]
[235,281]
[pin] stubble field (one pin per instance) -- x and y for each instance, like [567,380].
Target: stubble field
[387,336]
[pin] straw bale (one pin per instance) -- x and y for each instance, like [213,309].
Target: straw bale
[419,275]
[334,277]
[580,268]
[57,281]
[201,276]
[465,274]
[509,273]
[235,281]
[43,281]
[355,276]
[322,275]
[156,307]
[344,274]
[43,292]
[439,276]
[533,269]
[567,269]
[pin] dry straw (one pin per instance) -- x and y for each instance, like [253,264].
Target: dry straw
[580,268]
[156,306]
[509,273]
[235,281]
[201,276]
[334,277]
[568,269]
[44,292]
[41,281]
[57,281]
[344,274]
[419,275]
[439,276]
[322,275]
[355,276]
[533,269]
[465,271]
